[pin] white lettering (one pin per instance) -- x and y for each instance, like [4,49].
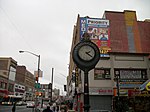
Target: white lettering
[83,21]
[83,29]
[98,22]
[83,25]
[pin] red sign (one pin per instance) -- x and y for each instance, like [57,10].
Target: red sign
[133,92]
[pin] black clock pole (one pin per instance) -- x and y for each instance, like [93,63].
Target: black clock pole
[86,92]
[86,55]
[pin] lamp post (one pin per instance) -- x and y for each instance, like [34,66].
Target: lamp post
[37,78]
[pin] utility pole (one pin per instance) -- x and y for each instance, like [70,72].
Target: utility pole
[51,86]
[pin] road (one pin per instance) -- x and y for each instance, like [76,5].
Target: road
[18,109]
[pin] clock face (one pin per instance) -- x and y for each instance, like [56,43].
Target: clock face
[86,52]
[86,55]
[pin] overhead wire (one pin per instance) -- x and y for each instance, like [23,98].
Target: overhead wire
[15,27]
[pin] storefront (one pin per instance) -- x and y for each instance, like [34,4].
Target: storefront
[101,98]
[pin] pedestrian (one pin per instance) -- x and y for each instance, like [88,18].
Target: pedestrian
[57,108]
[14,107]
[47,109]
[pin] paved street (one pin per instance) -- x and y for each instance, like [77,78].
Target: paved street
[18,109]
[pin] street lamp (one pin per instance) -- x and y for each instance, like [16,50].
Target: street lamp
[37,77]
[38,61]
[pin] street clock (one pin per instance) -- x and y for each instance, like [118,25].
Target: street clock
[86,55]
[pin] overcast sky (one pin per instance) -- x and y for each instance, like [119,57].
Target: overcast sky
[45,27]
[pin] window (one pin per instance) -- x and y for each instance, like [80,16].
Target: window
[3,85]
[23,88]
[101,74]
[11,88]
[16,86]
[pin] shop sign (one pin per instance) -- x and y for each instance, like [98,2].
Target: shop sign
[3,91]
[133,92]
[100,91]
[130,84]
[122,92]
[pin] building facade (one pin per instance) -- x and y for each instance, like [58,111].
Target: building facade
[48,93]
[15,80]
[7,76]
[124,58]
[26,80]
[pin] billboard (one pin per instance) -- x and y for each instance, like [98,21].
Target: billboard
[40,74]
[12,73]
[98,29]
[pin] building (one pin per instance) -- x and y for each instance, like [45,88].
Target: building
[15,80]
[124,60]
[48,93]
[7,76]
[45,90]
[26,80]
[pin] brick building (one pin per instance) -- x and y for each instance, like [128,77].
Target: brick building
[124,54]
[15,80]
[7,76]
[26,79]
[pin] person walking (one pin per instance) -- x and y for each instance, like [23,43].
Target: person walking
[14,107]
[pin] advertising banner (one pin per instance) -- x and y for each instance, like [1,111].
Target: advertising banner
[98,29]
[40,74]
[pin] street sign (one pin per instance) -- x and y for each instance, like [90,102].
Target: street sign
[37,85]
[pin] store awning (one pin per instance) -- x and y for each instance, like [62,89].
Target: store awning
[144,85]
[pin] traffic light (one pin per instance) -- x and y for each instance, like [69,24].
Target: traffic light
[40,94]
[36,78]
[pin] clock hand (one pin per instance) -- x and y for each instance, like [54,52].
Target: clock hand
[88,53]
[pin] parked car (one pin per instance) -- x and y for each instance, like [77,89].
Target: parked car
[21,103]
[30,104]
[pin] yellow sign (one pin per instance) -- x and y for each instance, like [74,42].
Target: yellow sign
[148,86]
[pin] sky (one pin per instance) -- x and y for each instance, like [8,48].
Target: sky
[45,28]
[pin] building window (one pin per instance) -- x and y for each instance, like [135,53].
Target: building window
[16,86]
[23,88]
[11,88]
[101,74]
[3,85]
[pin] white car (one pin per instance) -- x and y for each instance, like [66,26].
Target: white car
[30,104]
[21,103]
